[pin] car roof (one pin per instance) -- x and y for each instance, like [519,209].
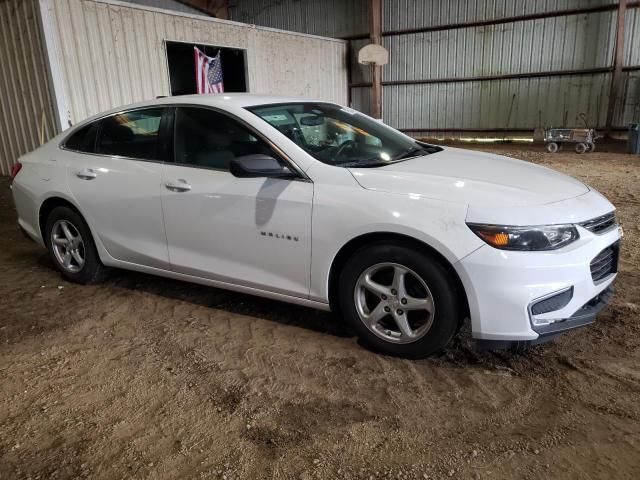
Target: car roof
[226,101]
[236,99]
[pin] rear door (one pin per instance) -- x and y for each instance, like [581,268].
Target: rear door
[115,174]
[254,232]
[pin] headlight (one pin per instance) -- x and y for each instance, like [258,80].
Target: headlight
[549,237]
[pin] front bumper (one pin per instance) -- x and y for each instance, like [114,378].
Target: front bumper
[583,317]
[502,286]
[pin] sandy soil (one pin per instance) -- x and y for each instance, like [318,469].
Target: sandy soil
[143,377]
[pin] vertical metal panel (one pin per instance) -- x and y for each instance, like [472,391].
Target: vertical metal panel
[628,106]
[632,37]
[26,110]
[561,43]
[359,73]
[333,18]
[404,14]
[510,103]
[111,53]
[361,99]
[558,43]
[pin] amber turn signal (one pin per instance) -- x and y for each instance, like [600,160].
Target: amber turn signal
[497,239]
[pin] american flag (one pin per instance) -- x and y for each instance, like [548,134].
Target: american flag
[208,73]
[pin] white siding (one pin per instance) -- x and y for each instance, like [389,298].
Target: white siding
[26,112]
[107,53]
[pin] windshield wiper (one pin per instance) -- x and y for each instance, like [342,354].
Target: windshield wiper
[370,162]
[411,152]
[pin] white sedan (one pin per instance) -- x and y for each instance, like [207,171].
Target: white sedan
[317,204]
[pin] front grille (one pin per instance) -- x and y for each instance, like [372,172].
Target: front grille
[605,263]
[600,224]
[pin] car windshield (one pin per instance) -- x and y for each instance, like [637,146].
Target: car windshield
[341,136]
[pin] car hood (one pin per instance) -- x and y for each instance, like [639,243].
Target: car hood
[474,178]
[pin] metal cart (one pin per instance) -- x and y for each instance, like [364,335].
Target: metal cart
[584,139]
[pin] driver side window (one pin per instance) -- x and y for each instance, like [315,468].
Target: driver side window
[206,138]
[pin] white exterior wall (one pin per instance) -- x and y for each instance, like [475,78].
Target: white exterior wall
[107,53]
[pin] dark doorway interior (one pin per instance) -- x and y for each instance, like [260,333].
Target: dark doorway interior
[180,59]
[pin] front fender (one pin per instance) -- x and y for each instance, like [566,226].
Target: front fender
[341,214]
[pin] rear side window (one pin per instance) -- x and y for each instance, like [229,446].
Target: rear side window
[134,134]
[83,139]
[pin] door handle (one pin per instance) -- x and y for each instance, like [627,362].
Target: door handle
[87,174]
[178,186]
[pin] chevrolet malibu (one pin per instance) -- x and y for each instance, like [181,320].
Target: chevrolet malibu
[316,204]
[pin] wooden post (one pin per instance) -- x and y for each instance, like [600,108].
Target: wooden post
[375,36]
[616,76]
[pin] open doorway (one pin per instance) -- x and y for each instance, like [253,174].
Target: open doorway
[181,63]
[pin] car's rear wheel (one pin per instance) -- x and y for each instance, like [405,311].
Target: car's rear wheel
[399,301]
[581,147]
[71,247]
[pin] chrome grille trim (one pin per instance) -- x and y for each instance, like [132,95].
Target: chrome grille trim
[600,224]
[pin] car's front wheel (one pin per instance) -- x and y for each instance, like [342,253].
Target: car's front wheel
[400,301]
[71,246]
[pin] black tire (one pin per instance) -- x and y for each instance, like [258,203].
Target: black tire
[92,271]
[581,148]
[591,147]
[552,147]
[441,287]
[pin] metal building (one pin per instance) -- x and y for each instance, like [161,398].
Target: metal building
[64,60]
[477,67]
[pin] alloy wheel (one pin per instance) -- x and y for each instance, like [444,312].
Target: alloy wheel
[394,303]
[68,246]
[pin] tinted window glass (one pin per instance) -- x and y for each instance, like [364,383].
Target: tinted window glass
[132,134]
[210,139]
[341,136]
[84,139]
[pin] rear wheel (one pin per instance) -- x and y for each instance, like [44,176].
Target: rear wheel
[552,147]
[399,301]
[581,147]
[71,247]
[591,147]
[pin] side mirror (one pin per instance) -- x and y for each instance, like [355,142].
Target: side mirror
[255,166]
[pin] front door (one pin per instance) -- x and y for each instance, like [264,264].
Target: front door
[250,231]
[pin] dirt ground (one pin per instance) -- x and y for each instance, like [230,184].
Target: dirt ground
[143,377]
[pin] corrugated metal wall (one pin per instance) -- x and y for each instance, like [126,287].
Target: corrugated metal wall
[110,53]
[26,113]
[628,105]
[333,18]
[572,42]
[560,43]
[403,14]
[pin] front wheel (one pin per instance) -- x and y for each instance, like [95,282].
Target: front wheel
[400,301]
[71,247]
[552,147]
